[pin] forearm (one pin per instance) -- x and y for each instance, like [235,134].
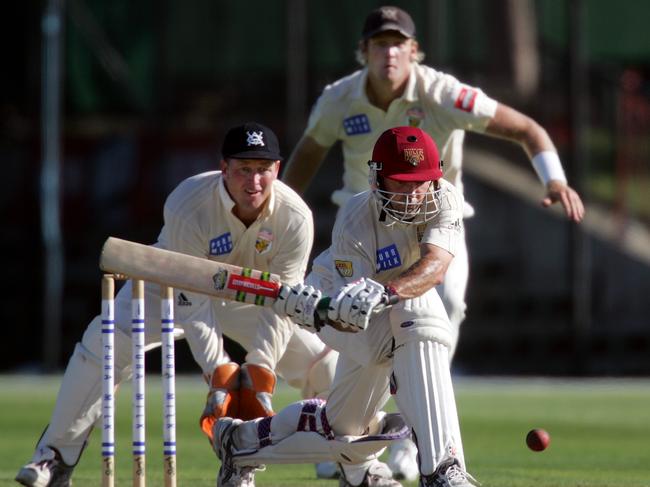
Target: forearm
[512,125]
[427,272]
[418,279]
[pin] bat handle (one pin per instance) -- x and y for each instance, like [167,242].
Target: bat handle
[320,315]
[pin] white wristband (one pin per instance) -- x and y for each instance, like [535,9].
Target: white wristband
[548,166]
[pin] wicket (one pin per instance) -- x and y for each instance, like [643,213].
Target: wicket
[138,398]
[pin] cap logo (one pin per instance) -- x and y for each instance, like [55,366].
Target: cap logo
[254,138]
[389,14]
[414,156]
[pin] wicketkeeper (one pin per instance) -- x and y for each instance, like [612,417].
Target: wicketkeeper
[240,215]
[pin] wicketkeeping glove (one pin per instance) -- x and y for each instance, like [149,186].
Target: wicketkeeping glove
[356,302]
[299,303]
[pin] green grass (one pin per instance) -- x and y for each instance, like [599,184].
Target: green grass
[600,433]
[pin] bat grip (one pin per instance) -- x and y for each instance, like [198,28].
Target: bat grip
[320,315]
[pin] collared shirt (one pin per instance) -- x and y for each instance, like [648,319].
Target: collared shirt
[362,246]
[199,221]
[436,102]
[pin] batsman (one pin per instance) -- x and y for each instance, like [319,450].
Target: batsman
[391,246]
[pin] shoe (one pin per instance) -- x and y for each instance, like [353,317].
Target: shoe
[229,474]
[403,460]
[377,475]
[327,470]
[48,471]
[449,474]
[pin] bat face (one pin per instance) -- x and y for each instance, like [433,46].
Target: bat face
[165,267]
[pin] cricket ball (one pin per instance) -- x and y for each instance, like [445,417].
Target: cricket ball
[538,439]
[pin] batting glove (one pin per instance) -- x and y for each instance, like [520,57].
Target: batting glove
[299,303]
[356,302]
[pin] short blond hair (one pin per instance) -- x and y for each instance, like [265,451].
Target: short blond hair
[361,58]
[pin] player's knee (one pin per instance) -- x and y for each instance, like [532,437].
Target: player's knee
[422,318]
[320,375]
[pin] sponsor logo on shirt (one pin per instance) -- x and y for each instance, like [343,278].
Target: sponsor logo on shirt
[357,124]
[183,301]
[264,241]
[466,98]
[221,245]
[388,258]
[414,116]
[344,268]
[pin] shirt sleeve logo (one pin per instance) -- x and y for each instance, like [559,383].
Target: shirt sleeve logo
[344,268]
[388,258]
[465,99]
[357,124]
[221,245]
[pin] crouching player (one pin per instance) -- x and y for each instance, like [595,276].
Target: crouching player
[390,247]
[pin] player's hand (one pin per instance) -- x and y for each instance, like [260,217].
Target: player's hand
[355,303]
[298,303]
[559,191]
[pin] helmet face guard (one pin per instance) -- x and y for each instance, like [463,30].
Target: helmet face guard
[405,208]
[405,154]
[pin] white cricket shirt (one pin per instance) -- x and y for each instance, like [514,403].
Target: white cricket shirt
[436,102]
[362,246]
[199,221]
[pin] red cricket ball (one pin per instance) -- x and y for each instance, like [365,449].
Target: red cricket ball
[538,439]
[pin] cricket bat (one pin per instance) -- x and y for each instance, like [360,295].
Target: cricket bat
[132,260]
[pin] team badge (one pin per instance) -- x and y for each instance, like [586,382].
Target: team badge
[264,241]
[414,116]
[344,268]
[220,279]
[413,155]
[254,138]
[389,13]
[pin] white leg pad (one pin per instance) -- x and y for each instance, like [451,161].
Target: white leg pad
[425,396]
[78,404]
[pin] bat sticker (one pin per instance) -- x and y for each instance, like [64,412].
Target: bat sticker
[220,279]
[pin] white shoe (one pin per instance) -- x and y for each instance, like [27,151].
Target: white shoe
[327,470]
[230,475]
[449,474]
[377,475]
[403,460]
[48,470]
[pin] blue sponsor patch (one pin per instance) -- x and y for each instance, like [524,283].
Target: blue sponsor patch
[221,245]
[357,124]
[388,258]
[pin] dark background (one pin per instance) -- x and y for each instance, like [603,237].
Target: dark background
[148,89]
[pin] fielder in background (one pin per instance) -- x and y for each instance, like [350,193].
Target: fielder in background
[394,89]
[391,247]
[240,215]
